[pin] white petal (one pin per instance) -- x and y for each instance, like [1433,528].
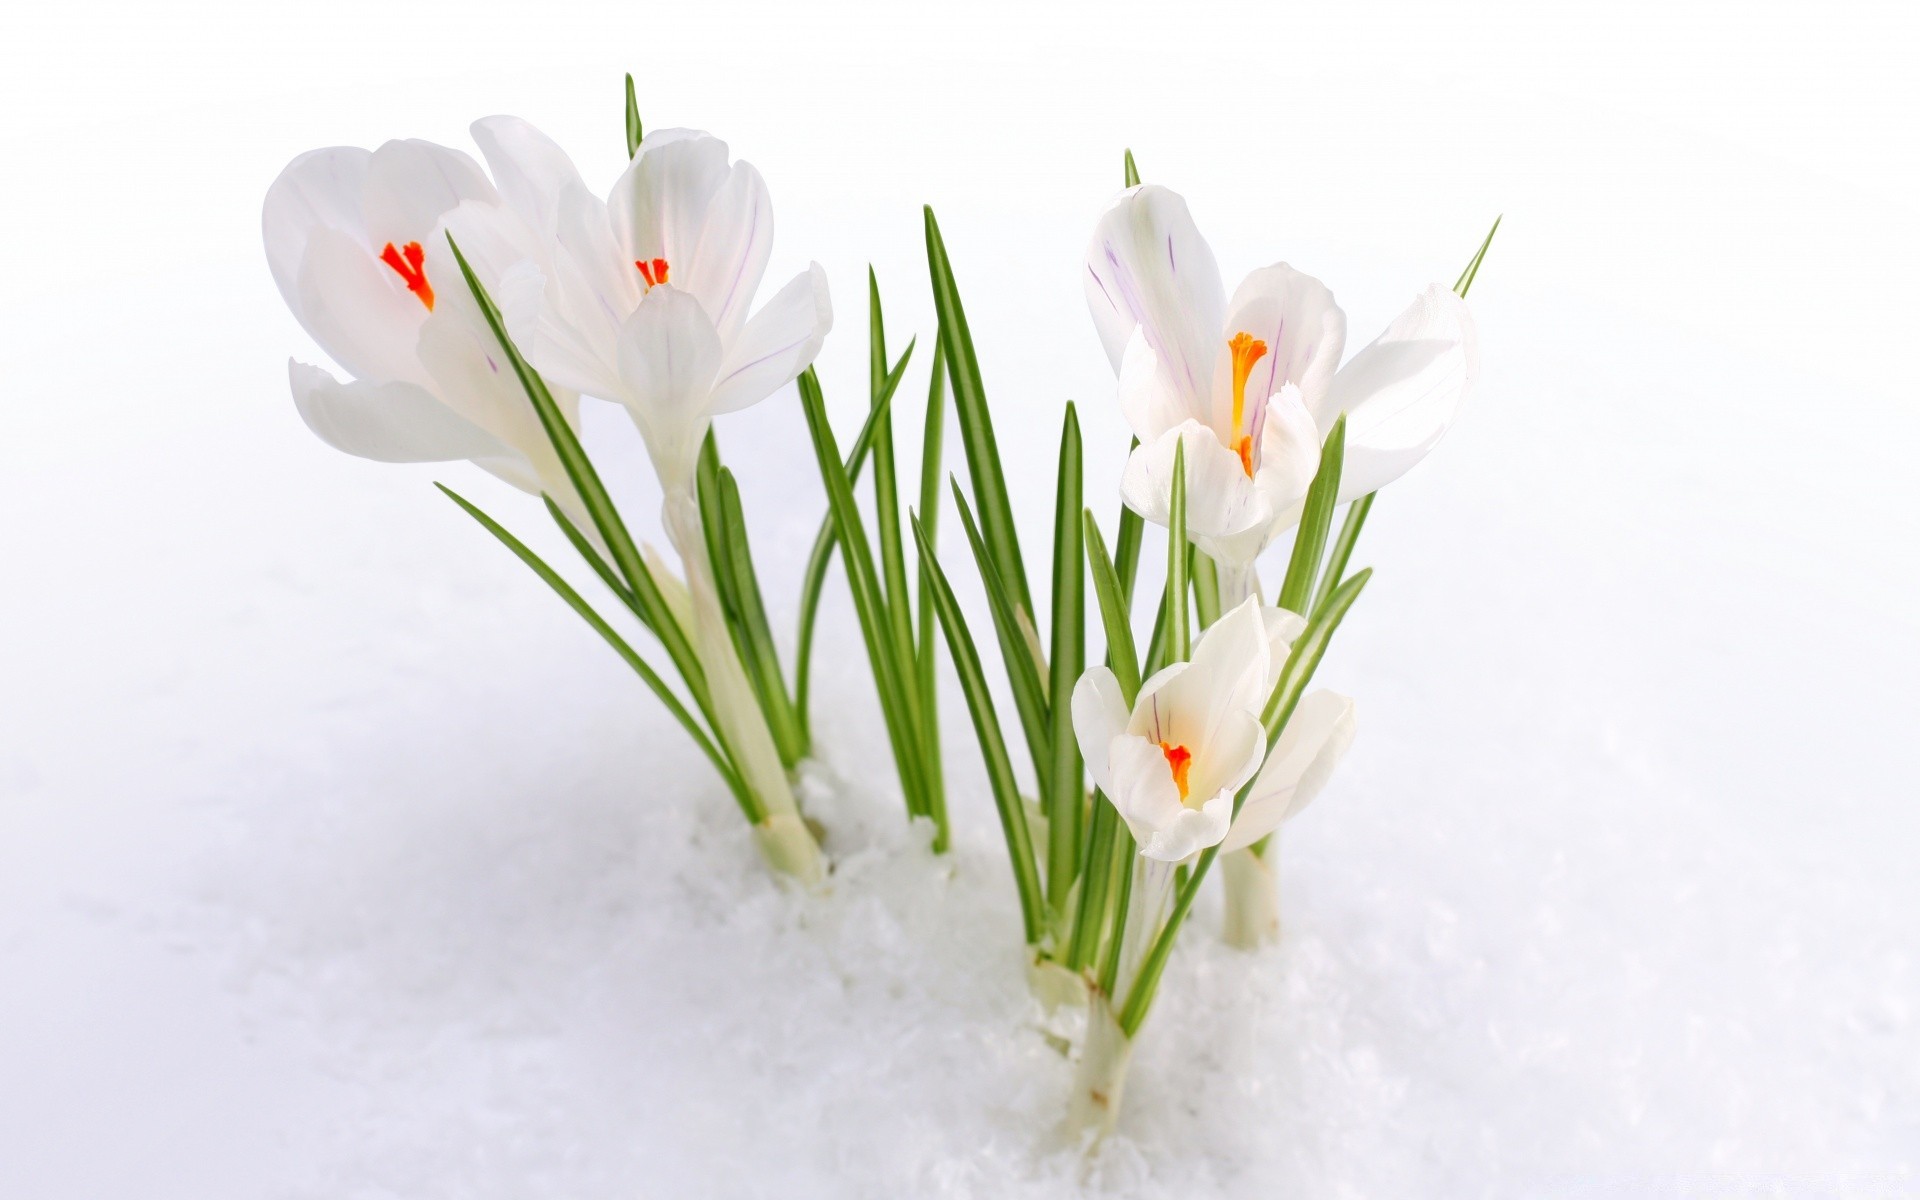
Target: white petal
[1191,831]
[412,184]
[1099,716]
[659,205]
[1316,736]
[1148,266]
[1227,674]
[1289,459]
[321,189]
[668,356]
[592,290]
[1141,786]
[530,169]
[736,238]
[358,309]
[1148,398]
[1283,627]
[1230,757]
[386,422]
[1303,329]
[777,344]
[1401,393]
[1221,500]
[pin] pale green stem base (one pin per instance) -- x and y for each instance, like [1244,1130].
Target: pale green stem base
[1054,986]
[743,726]
[1253,897]
[1101,1077]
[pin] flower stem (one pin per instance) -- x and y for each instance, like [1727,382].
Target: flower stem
[1101,1077]
[1253,898]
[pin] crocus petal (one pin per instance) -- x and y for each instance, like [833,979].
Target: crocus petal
[1148,266]
[1141,787]
[386,422]
[1289,459]
[1227,674]
[530,169]
[321,189]
[736,239]
[1316,736]
[1233,754]
[1099,716]
[1148,399]
[591,291]
[659,206]
[358,309]
[1302,328]
[1191,830]
[1282,626]
[777,344]
[668,356]
[411,184]
[1401,393]
[1221,500]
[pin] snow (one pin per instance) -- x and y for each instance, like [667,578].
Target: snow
[338,860]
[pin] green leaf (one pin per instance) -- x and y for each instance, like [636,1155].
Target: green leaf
[1121,657]
[1206,589]
[976,424]
[821,557]
[1126,548]
[1343,548]
[758,651]
[993,747]
[1179,635]
[591,554]
[1090,917]
[1132,172]
[926,664]
[1465,282]
[869,604]
[1310,539]
[886,500]
[634,133]
[1302,661]
[747,801]
[1023,673]
[1067,656]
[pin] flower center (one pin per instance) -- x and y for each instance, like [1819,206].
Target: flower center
[408,264]
[1179,761]
[654,271]
[1247,350]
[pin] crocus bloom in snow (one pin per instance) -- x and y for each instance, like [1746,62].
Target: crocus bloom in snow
[1172,764]
[357,242]
[1249,383]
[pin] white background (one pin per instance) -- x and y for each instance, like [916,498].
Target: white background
[335,859]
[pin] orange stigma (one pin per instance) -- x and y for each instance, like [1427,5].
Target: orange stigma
[1247,350]
[408,264]
[654,272]
[1179,761]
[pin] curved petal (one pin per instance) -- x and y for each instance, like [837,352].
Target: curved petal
[1283,626]
[1191,831]
[736,238]
[1221,500]
[659,205]
[1402,392]
[411,184]
[321,189]
[1148,266]
[1099,716]
[1141,787]
[776,345]
[1294,316]
[668,356]
[1148,399]
[1227,674]
[591,291]
[1231,756]
[386,422]
[1289,459]
[358,309]
[1316,736]
[530,169]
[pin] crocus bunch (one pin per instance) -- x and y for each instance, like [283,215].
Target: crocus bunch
[471,309]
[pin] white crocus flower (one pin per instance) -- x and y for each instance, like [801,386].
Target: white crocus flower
[651,295]
[357,242]
[1249,383]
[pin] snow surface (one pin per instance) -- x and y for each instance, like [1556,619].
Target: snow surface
[338,860]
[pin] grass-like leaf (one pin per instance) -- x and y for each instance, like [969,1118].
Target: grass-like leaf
[1066,657]
[886,498]
[1342,550]
[926,654]
[759,653]
[1179,634]
[993,746]
[635,134]
[1465,282]
[1310,539]
[1122,659]
[747,801]
[976,424]
[1132,174]
[1023,672]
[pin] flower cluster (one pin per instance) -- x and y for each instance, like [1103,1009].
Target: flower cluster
[472,308]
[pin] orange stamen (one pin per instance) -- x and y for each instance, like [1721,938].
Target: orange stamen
[1179,761]
[1247,350]
[654,272]
[409,264]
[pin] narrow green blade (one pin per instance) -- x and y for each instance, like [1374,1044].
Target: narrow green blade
[635,134]
[1343,548]
[759,652]
[1122,659]
[1310,540]
[1465,282]
[1066,658]
[976,424]
[1023,674]
[993,747]
[1132,172]
[886,498]
[925,659]
[1179,634]
[1206,589]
